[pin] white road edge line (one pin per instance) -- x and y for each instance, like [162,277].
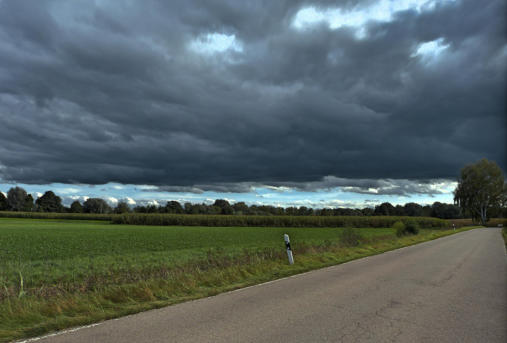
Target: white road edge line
[58,333]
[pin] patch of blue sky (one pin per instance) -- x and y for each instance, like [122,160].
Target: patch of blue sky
[215,43]
[429,51]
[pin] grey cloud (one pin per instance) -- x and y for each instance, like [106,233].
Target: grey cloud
[400,187]
[106,94]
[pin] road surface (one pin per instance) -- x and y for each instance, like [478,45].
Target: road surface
[452,289]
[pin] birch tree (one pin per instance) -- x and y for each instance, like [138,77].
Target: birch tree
[481,188]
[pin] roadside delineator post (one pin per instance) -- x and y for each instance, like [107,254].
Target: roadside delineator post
[289,250]
[454,227]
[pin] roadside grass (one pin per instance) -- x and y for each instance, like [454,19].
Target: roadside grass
[56,274]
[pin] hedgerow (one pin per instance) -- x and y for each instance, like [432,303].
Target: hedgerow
[274,221]
[53,215]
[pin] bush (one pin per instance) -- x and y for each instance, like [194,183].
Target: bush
[350,237]
[400,228]
[411,228]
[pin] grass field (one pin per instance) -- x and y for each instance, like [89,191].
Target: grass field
[46,252]
[59,273]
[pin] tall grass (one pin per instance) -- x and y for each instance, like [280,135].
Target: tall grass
[273,221]
[54,215]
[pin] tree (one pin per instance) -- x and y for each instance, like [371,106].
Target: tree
[174,207]
[28,203]
[76,207]
[445,211]
[191,208]
[240,208]
[304,211]
[399,211]
[140,209]
[122,207]
[367,211]
[96,205]
[4,205]
[384,209]
[49,202]
[17,199]
[413,210]
[481,188]
[225,207]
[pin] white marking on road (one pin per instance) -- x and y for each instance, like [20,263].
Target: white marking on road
[59,333]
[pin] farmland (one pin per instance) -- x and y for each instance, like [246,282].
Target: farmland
[57,273]
[49,251]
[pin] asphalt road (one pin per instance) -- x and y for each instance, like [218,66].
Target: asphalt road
[452,289]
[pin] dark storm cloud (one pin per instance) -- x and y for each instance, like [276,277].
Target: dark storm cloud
[95,93]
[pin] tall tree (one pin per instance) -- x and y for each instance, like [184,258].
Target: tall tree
[384,209]
[445,211]
[76,207]
[4,205]
[122,207]
[96,205]
[225,207]
[17,199]
[49,202]
[413,210]
[481,188]
[240,208]
[28,203]
[173,207]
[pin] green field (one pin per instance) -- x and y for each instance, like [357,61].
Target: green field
[46,252]
[59,273]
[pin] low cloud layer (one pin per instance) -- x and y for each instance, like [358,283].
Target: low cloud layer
[400,187]
[226,95]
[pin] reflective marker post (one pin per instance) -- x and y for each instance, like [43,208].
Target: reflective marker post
[454,227]
[289,251]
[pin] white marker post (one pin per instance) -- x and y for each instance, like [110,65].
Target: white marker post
[289,250]
[454,227]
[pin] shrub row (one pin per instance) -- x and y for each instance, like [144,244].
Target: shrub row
[272,221]
[238,220]
[54,215]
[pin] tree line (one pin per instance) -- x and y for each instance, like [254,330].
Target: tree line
[481,194]
[19,200]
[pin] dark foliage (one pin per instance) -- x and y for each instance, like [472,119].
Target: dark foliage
[96,205]
[49,202]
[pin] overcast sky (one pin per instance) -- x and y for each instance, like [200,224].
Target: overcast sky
[326,103]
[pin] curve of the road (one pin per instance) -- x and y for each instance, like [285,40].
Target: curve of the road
[453,289]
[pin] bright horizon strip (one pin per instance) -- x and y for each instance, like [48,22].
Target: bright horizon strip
[281,197]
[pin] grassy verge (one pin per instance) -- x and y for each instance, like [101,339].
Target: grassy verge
[59,274]
[504,234]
